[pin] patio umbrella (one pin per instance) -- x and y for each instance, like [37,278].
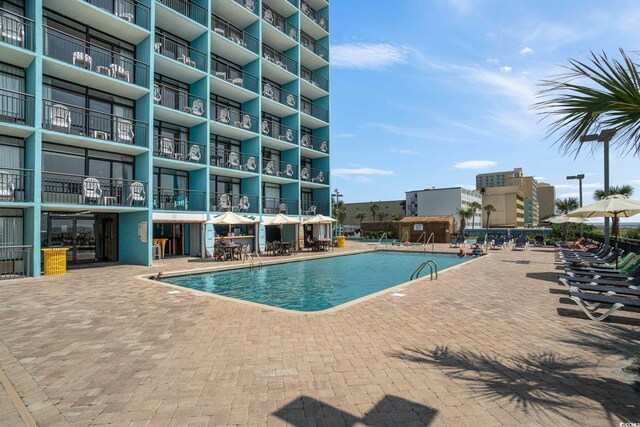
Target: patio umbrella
[281,220]
[615,206]
[320,219]
[563,219]
[231,218]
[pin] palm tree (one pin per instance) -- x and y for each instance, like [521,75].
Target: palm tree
[374,208]
[475,207]
[608,99]
[339,212]
[464,214]
[565,206]
[396,217]
[622,190]
[488,209]
[382,216]
[360,216]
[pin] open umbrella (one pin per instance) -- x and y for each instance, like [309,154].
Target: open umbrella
[320,219]
[281,220]
[563,219]
[615,206]
[230,218]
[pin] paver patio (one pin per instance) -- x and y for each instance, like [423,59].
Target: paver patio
[493,342]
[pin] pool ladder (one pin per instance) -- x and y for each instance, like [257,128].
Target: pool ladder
[432,266]
[250,255]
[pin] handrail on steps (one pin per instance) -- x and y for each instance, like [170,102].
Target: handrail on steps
[432,267]
[384,235]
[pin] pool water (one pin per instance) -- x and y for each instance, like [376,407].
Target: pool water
[315,285]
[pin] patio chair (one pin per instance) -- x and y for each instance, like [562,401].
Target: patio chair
[304,8]
[136,193]
[12,30]
[288,171]
[460,242]
[224,116]
[265,127]
[324,147]
[323,23]
[91,191]
[157,94]
[319,178]
[118,72]
[233,161]
[166,148]
[238,81]
[539,240]
[520,244]
[270,168]
[305,141]
[126,16]
[194,154]
[186,60]
[267,91]
[125,131]
[587,303]
[224,203]
[251,165]
[268,16]
[60,117]
[197,107]
[288,136]
[311,211]
[82,59]
[220,31]
[246,121]
[291,100]
[283,208]
[304,174]
[249,4]
[293,33]
[7,187]
[182,202]
[243,204]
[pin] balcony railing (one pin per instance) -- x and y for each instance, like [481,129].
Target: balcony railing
[314,78]
[235,34]
[177,149]
[16,107]
[129,10]
[189,9]
[172,48]
[233,117]
[15,261]
[278,94]
[16,185]
[314,175]
[62,188]
[75,51]
[314,110]
[234,75]
[280,59]
[314,208]
[179,100]
[16,30]
[279,22]
[279,131]
[228,159]
[314,143]
[250,5]
[274,206]
[70,119]
[315,47]
[280,169]
[173,199]
[223,202]
[314,16]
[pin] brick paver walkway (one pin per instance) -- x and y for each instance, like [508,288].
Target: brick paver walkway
[493,342]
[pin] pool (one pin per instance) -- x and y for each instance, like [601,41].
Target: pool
[314,285]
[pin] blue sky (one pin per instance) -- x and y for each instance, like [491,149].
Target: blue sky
[431,92]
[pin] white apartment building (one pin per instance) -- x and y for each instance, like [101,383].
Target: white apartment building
[444,201]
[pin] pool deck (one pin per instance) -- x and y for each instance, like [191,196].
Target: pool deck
[492,342]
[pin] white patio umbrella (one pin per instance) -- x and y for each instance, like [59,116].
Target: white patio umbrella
[615,206]
[320,219]
[230,218]
[563,219]
[281,220]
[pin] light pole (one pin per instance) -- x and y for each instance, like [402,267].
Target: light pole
[336,195]
[579,178]
[605,137]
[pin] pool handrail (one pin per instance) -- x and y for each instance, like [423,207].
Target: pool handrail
[432,266]
[406,233]
[382,237]
[432,239]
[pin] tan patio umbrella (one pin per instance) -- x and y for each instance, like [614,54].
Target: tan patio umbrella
[320,219]
[563,219]
[281,220]
[615,206]
[230,218]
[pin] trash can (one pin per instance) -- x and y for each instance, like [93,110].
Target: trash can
[55,261]
[342,241]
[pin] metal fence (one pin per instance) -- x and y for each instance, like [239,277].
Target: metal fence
[129,10]
[189,9]
[16,107]
[628,245]
[15,262]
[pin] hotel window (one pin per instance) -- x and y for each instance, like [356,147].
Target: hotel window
[223,65]
[69,160]
[11,152]
[175,94]
[271,191]
[306,197]
[172,46]
[12,105]
[11,227]
[169,130]
[15,6]
[170,178]
[225,185]
[305,163]
[221,147]
[65,92]
[270,154]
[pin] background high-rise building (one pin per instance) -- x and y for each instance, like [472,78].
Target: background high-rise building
[132,121]
[444,201]
[546,200]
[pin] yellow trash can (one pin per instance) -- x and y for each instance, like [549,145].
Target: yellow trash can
[55,261]
[342,242]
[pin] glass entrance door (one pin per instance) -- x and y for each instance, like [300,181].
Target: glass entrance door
[60,235]
[77,233]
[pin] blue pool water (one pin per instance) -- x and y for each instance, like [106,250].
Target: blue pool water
[314,285]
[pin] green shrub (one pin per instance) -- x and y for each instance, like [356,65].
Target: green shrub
[631,233]
[379,234]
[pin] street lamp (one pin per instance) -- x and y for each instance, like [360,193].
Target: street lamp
[579,178]
[605,137]
[336,195]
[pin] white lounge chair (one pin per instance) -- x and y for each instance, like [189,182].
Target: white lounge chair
[291,100]
[305,141]
[233,161]
[288,171]
[288,136]
[197,107]
[304,8]
[304,174]
[157,94]
[60,117]
[311,211]
[283,208]
[265,127]
[224,203]
[82,59]
[118,72]
[268,16]
[246,121]
[267,91]
[269,168]
[125,131]
[136,193]
[224,116]
[194,154]
[250,166]
[11,30]
[324,147]
[91,191]
[249,4]
[166,148]
[7,187]
[243,204]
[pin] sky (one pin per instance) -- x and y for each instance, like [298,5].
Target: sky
[432,92]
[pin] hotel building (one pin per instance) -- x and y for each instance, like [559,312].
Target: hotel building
[124,121]
[444,201]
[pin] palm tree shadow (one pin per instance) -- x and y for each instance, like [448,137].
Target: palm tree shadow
[538,382]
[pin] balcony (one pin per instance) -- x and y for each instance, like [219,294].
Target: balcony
[16,107]
[278,22]
[275,206]
[190,58]
[314,110]
[173,199]
[69,119]
[241,162]
[314,143]
[104,62]
[168,148]
[315,47]
[180,101]
[279,59]
[241,203]
[230,116]
[130,10]
[279,169]
[234,76]
[236,35]
[279,95]
[16,30]
[189,9]
[250,5]
[314,176]
[314,78]
[313,15]
[279,131]
[314,208]
[16,185]
[67,189]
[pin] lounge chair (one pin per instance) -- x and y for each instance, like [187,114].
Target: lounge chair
[460,241]
[539,240]
[224,204]
[521,244]
[60,117]
[265,127]
[632,283]
[585,300]
[125,131]
[269,168]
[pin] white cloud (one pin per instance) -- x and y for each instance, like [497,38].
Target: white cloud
[539,178]
[587,186]
[360,171]
[505,69]
[404,151]
[475,164]
[515,88]
[493,61]
[344,135]
[526,51]
[372,56]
